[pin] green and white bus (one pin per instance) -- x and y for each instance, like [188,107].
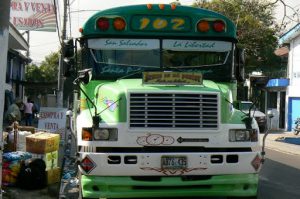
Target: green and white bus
[158,84]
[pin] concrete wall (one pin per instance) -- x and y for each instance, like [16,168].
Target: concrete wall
[4,34]
[293,90]
[294,68]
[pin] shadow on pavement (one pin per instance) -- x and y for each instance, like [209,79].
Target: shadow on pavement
[278,181]
[289,140]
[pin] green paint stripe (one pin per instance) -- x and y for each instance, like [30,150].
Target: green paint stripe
[222,185]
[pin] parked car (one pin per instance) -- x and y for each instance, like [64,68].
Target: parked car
[259,116]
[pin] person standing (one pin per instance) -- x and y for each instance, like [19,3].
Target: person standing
[28,107]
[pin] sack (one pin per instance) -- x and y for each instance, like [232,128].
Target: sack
[33,175]
[11,118]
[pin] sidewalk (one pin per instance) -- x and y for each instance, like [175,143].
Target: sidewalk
[283,141]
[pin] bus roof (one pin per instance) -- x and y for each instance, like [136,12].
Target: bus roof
[159,21]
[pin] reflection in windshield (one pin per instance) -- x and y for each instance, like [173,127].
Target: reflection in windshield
[180,59]
[127,57]
[214,64]
[111,64]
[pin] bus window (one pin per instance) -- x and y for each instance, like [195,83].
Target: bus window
[195,53]
[193,59]
[127,57]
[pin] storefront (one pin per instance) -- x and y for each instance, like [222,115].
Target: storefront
[276,102]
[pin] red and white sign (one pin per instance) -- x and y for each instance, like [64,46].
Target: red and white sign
[36,15]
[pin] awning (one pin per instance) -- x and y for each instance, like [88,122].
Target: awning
[282,52]
[16,40]
[290,35]
[277,84]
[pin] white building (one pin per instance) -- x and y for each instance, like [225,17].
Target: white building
[15,67]
[292,105]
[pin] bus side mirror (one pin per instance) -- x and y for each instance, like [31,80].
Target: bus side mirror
[68,51]
[240,64]
[84,76]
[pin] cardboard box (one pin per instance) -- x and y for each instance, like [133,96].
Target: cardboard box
[53,176]
[51,159]
[42,142]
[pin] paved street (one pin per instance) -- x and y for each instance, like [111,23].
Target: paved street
[280,176]
[281,172]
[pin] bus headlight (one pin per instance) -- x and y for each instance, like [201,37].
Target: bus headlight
[101,134]
[243,135]
[97,134]
[109,134]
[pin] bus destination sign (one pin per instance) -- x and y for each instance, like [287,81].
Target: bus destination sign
[172,78]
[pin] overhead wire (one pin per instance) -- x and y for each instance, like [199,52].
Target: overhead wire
[84,11]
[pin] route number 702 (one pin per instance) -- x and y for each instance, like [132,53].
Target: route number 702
[161,23]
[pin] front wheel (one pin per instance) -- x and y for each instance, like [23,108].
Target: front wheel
[296,130]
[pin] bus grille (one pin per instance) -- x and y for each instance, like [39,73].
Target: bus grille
[174,110]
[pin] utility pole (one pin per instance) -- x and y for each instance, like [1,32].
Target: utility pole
[4,34]
[60,93]
[28,37]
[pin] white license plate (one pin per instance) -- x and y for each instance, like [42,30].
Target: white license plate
[173,162]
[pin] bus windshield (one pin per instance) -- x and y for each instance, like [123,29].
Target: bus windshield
[127,58]
[192,59]
[115,58]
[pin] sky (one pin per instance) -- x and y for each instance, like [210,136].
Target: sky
[43,43]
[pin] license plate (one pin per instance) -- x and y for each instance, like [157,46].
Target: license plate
[173,162]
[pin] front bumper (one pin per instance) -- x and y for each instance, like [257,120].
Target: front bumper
[149,164]
[161,187]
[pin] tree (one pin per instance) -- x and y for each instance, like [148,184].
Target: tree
[256,29]
[290,14]
[33,73]
[49,67]
[46,72]
[42,79]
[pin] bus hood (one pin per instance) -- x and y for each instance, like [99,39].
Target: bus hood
[112,97]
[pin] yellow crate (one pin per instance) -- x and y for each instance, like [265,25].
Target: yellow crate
[42,142]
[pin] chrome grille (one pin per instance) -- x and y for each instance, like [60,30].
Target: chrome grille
[174,110]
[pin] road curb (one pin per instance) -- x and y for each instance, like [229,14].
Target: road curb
[273,142]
